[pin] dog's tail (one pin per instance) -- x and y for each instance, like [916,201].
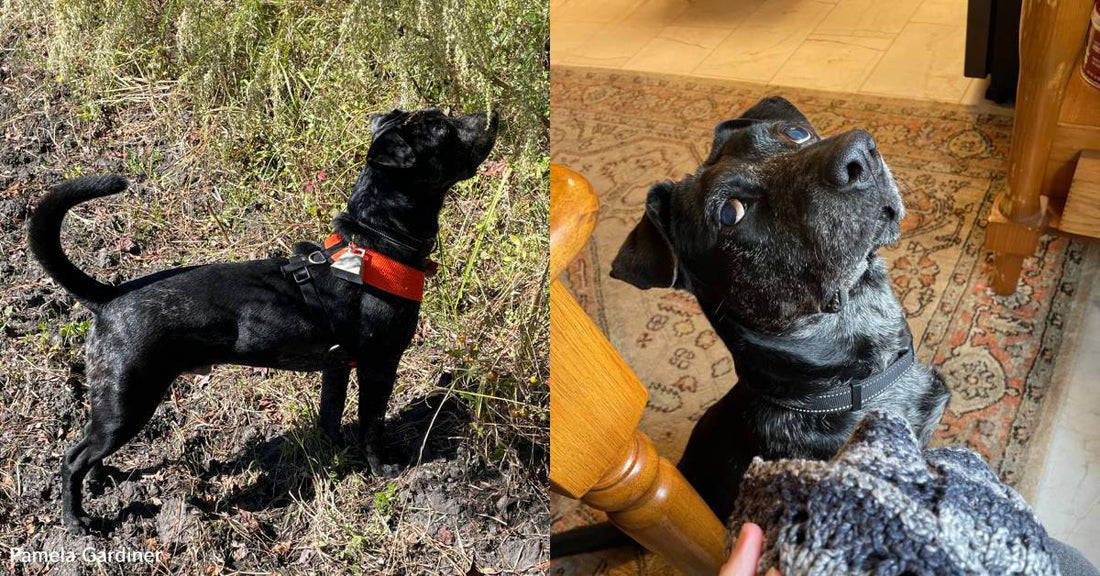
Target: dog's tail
[585,539]
[44,230]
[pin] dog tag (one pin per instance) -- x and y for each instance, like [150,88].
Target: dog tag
[348,265]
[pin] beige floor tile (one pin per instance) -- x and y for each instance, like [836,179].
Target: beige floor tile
[759,47]
[925,62]
[880,42]
[975,96]
[868,23]
[827,65]
[677,49]
[946,12]
[603,11]
[1067,500]
[975,93]
[718,13]
[567,38]
[789,14]
[657,12]
[612,45]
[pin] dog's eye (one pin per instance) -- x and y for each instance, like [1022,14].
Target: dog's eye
[732,212]
[796,133]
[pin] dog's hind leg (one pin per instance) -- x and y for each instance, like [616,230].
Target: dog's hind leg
[119,408]
[334,394]
[375,387]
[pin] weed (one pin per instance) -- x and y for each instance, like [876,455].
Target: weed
[383,499]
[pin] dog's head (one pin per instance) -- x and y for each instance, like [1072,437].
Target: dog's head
[777,224]
[429,148]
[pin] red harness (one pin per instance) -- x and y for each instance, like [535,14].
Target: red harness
[383,272]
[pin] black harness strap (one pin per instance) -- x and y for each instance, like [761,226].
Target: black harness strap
[299,269]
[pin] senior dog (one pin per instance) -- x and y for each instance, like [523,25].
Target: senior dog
[352,302]
[776,235]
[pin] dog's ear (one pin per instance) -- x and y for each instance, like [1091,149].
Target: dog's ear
[770,109]
[379,119]
[775,109]
[647,258]
[390,150]
[722,134]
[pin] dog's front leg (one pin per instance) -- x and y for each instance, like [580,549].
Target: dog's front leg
[375,387]
[334,394]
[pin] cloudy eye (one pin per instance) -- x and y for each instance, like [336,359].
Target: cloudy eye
[732,212]
[796,133]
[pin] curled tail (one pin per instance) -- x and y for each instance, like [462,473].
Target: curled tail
[45,235]
[590,538]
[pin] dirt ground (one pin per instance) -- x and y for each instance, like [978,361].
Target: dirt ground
[230,476]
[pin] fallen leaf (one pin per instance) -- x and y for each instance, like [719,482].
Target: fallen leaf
[446,536]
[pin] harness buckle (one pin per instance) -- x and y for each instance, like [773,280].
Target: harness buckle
[317,257]
[857,395]
[301,275]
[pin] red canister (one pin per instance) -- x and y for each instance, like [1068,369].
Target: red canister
[1090,69]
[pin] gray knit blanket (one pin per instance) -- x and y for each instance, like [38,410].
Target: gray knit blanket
[884,506]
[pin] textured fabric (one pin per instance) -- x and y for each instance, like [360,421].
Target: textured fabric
[382,272]
[1070,560]
[882,506]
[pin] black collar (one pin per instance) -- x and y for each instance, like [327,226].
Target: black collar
[421,248]
[393,243]
[855,395]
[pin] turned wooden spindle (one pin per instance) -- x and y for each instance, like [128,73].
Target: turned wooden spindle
[597,455]
[1051,37]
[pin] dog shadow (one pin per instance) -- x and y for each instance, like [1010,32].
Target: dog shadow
[427,429]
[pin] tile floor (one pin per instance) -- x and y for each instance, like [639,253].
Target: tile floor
[903,48]
[1067,499]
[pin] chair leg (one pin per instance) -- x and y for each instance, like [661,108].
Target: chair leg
[647,498]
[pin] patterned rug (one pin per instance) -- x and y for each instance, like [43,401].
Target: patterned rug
[624,131]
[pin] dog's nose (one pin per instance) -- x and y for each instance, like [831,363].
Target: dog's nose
[855,161]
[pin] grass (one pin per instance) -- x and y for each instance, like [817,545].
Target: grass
[244,125]
[277,96]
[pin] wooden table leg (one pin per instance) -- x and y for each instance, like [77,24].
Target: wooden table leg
[1051,37]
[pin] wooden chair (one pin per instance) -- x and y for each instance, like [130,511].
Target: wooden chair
[1053,177]
[597,455]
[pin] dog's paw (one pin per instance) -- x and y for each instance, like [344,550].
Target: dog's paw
[77,525]
[377,467]
[385,471]
[330,434]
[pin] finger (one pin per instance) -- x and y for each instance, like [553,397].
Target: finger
[773,572]
[746,552]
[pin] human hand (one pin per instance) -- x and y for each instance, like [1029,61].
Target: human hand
[746,553]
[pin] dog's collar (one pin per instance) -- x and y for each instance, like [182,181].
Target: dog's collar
[419,247]
[360,265]
[855,395]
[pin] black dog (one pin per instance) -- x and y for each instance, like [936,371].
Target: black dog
[776,235]
[293,315]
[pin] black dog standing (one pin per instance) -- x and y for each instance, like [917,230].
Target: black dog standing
[290,314]
[776,234]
